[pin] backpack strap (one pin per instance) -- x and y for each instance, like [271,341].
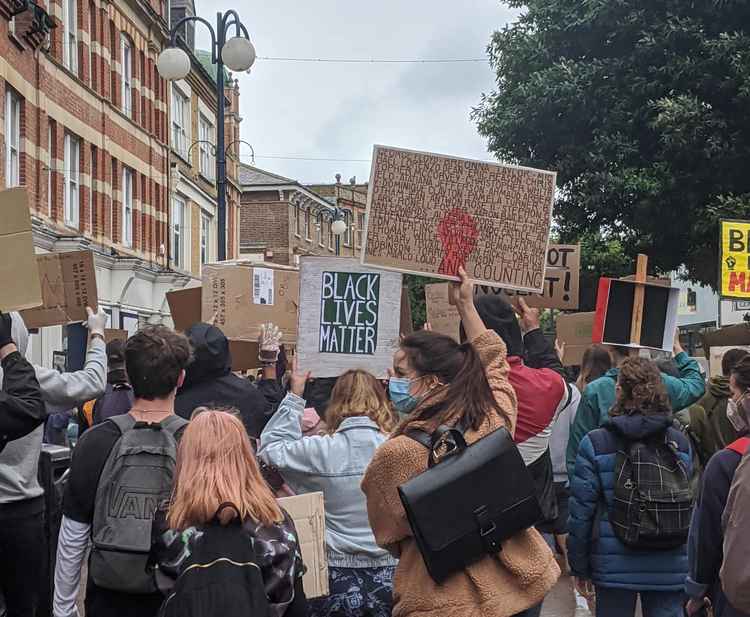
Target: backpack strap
[741,446]
[420,436]
[173,424]
[123,422]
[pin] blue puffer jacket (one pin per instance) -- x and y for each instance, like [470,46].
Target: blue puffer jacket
[594,551]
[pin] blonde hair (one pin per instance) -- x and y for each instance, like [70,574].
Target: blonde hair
[216,465]
[358,393]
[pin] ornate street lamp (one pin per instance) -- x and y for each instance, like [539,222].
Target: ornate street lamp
[237,53]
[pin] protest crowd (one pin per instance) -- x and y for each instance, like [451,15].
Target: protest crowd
[171,503]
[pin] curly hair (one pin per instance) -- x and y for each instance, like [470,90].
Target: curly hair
[640,390]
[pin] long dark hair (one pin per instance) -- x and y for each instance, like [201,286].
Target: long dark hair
[641,389]
[466,392]
[596,361]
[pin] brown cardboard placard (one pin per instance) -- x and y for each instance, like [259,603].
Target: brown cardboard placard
[308,513]
[185,307]
[114,334]
[442,316]
[239,297]
[576,331]
[728,336]
[561,281]
[68,283]
[429,214]
[244,355]
[19,274]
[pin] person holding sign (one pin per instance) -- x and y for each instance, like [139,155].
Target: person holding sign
[440,382]
[358,417]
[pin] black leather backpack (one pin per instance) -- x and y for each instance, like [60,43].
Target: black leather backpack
[469,500]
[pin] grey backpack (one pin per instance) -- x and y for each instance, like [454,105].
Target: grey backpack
[137,476]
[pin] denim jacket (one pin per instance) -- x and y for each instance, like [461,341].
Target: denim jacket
[334,464]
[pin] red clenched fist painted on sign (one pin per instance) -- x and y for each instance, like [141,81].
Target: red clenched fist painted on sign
[429,214]
[458,233]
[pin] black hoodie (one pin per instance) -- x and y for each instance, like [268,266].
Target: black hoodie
[209,381]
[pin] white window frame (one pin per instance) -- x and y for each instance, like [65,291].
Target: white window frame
[331,238]
[50,162]
[12,138]
[127,206]
[205,238]
[348,232]
[360,229]
[72,180]
[126,91]
[308,221]
[70,43]
[297,220]
[319,226]
[180,104]
[178,235]
[207,160]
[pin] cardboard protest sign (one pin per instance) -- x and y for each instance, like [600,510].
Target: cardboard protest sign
[442,316]
[561,281]
[737,335]
[615,306]
[19,275]
[429,214]
[349,316]
[734,259]
[68,283]
[239,297]
[113,334]
[308,513]
[576,331]
[716,355]
[185,307]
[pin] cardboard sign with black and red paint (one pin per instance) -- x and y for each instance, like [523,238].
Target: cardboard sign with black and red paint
[561,281]
[431,214]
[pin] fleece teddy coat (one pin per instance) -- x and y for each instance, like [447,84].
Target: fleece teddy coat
[499,585]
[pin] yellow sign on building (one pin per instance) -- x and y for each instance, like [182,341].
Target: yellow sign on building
[734,259]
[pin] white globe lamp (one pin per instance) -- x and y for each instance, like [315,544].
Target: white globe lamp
[173,63]
[238,54]
[338,228]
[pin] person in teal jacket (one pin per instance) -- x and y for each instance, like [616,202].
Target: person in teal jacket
[599,396]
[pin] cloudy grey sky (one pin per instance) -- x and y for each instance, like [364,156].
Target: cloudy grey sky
[340,110]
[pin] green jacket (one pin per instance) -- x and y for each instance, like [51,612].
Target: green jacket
[708,422]
[599,396]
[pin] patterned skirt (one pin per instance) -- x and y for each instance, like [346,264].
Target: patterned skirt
[356,592]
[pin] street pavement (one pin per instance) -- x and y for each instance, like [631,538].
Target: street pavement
[560,602]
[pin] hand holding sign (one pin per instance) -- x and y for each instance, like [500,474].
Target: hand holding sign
[461,294]
[528,317]
[269,343]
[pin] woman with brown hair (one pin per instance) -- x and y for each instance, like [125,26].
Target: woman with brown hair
[217,481]
[439,382]
[631,502]
[595,363]
[359,418]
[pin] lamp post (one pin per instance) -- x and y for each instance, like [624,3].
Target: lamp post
[334,214]
[238,54]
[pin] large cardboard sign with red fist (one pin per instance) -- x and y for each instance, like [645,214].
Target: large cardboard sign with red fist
[430,214]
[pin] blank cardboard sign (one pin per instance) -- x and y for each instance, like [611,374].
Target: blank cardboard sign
[308,513]
[68,283]
[185,307]
[576,331]
[19,275]
[442,316]
[614,314]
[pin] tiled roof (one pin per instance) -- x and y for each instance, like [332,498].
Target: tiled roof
[252,176]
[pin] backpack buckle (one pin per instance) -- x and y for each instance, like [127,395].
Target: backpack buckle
[487,531]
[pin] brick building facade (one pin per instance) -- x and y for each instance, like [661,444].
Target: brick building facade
[280,219]
[86,129]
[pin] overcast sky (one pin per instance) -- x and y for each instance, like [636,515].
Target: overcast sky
[340,110]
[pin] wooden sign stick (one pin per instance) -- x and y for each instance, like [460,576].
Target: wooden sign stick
[639,293]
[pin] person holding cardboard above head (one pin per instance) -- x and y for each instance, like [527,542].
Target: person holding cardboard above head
[439,382]
[21,496]
[358,418]
[599,396]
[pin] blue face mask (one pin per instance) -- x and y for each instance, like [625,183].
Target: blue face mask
[399,389]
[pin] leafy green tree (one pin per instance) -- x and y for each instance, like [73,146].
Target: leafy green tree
[643,109]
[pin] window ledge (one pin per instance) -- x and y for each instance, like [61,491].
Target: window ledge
[16,40]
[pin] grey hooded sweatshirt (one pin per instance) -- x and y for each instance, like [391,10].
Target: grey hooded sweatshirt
[19,461]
